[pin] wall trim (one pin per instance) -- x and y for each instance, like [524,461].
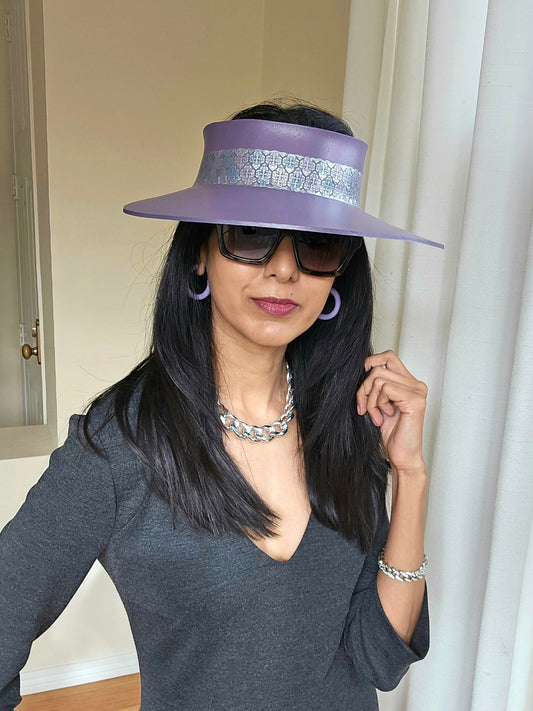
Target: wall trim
[33,682]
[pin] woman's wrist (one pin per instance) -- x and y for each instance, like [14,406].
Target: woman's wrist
[413,470]
[405,544]
[412,482]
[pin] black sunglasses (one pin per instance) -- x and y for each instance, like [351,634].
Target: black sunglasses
[316,253]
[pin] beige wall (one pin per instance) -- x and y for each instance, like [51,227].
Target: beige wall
[129,86]
[304,50]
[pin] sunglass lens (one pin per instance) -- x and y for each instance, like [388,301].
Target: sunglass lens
[322,252]
[248,242]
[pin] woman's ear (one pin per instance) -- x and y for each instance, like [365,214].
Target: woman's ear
[203,256]
[202,261]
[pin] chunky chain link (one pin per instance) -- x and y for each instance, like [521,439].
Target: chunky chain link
[258,433]
[404,576]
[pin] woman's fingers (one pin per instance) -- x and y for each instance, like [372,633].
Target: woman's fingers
[376,379]
[404,398]
[384,389]
[390,360]
[378,397]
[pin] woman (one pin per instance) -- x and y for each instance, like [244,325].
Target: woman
[256,562]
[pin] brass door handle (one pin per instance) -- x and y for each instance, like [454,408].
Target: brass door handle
[27,350]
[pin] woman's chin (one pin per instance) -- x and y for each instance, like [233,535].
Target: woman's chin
[275,335]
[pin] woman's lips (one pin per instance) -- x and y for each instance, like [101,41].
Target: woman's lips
[275,307]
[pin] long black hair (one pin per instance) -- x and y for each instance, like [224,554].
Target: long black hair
[176,431]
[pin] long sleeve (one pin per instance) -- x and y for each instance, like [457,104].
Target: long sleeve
[47,549]
[372,643]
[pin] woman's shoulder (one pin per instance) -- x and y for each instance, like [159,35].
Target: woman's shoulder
[106,421]
[97,437]
[99,446]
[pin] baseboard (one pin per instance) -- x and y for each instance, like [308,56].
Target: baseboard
[32,682]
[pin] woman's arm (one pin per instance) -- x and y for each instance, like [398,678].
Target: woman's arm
[47,549]
[401,601]
[396,403]
[370,640]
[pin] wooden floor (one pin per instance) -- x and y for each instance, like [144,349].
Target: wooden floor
[120,694]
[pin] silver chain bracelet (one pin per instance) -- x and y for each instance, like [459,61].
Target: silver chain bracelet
[404,576]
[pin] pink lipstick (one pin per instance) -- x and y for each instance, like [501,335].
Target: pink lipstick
[276,307]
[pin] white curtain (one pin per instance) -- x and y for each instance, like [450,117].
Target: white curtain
[451,158]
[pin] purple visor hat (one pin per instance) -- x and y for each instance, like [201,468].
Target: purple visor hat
[272,174]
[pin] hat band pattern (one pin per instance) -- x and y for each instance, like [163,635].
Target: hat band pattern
[281,171]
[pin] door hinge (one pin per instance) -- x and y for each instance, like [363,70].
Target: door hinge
[8,29]
[15,187]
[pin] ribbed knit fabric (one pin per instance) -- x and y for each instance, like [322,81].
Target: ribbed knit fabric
[218,624]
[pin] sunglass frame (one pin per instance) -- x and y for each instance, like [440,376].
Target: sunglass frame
[355,241]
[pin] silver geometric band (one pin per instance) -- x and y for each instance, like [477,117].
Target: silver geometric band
[281,171]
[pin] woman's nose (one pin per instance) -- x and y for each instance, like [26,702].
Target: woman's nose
[283,262]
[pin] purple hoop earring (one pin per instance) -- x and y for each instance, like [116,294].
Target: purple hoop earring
[204,294]
[336,308]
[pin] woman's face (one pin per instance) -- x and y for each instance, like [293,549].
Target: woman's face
[240,295]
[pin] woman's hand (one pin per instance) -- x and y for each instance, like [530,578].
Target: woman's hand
[396,402]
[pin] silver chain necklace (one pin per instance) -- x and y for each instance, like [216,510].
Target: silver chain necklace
[257,433]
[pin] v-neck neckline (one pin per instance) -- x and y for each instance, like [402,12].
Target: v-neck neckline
[275,561]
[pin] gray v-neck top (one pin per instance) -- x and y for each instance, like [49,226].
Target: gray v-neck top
[218,624]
